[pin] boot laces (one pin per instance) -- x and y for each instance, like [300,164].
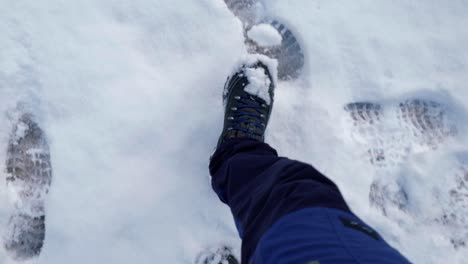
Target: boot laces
[247,115]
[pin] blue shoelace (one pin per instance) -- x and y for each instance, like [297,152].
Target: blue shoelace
[254,119]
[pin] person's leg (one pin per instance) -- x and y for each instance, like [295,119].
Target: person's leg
[261,187]
[286,211]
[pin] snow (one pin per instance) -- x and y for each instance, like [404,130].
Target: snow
[129,94]
[259,84]
[265,35]
[251,59]
[20,131]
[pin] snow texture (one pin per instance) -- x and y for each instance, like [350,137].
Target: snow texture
[29,175]
[129,96]
[259,84]
[265,35]
[252,59]
[250,12]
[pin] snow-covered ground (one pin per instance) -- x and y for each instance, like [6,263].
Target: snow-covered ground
[129,94]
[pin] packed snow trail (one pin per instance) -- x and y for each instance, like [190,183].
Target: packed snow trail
[129,96]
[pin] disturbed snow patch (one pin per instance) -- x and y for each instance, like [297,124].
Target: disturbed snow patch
[20,132]
[252,59]
[259,83]
[265,35]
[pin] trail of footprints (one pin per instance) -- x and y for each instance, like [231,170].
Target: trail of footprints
[390,133]
[421,125]
[29,175]
[428,122]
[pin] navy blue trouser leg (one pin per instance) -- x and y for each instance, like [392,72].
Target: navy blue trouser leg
[283,208]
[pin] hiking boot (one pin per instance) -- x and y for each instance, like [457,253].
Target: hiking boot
[248,101]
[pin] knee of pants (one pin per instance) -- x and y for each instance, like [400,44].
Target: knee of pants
[323,235]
